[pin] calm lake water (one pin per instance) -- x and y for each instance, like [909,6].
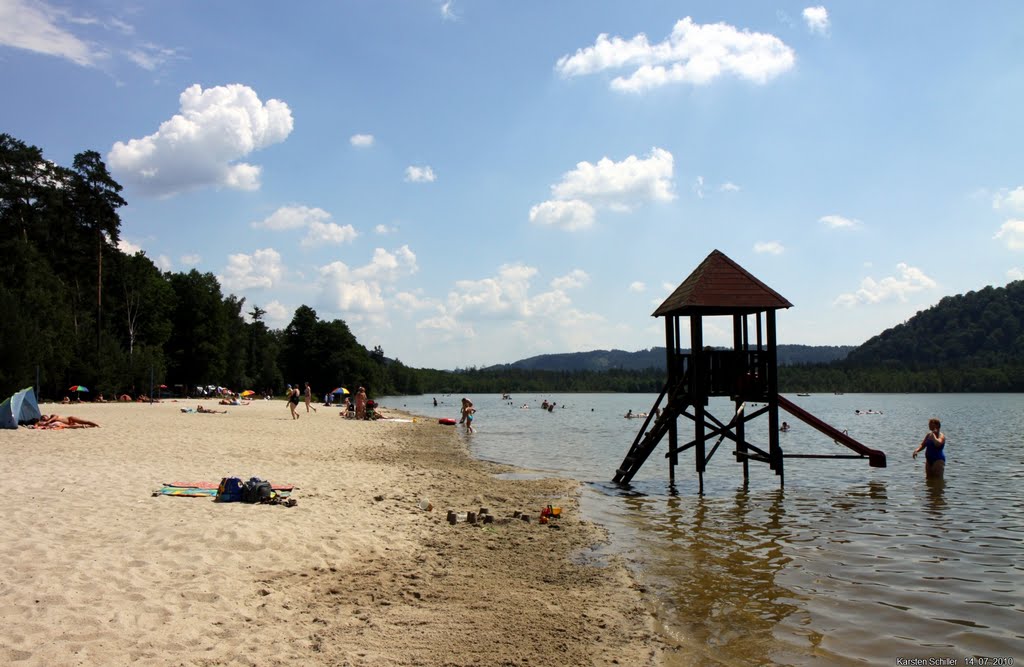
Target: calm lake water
[846,565]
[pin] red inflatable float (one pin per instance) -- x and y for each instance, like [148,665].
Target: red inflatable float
[448,421]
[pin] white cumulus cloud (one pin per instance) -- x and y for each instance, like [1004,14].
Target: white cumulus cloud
[816,19]
[693,53]
[909,280]
[319,226]
[1016,273]
[1012,234]
[1012,199]
[260,270]
[127,247]
[362,289]
[615,185]
[573,214]
[203,144]
[190,260]
[361,140]
[414,174]
[839,222]
[637,286]
[573,280]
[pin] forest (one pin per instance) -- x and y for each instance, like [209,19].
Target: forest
[79,311]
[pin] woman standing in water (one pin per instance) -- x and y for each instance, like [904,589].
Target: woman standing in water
[934,446]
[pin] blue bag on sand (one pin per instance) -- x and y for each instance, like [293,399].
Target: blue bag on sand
[230,490]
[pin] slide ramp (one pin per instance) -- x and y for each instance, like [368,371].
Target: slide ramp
[876,458]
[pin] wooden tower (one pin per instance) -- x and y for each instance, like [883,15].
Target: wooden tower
[746,373]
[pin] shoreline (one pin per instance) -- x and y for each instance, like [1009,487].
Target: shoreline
[99,571]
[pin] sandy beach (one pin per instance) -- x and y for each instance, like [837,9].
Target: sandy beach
[96,570]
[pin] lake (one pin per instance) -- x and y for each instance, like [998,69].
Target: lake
[847,564]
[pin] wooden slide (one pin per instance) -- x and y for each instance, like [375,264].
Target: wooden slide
[876,458]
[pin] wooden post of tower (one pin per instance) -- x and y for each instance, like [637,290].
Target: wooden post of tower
[699,391]
[739,344]
[671,361]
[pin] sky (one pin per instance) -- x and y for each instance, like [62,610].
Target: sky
[472,182]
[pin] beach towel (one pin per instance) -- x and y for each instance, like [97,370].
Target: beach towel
[209,489]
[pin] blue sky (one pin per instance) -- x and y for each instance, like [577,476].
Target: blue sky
[469,183]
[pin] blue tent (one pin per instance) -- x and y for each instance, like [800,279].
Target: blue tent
[21,408]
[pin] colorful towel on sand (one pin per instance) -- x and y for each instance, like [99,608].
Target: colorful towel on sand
[209,489]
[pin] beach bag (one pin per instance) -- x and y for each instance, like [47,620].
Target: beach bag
[230,490]
[257,491]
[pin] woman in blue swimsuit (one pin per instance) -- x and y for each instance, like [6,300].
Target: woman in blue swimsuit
[934,446]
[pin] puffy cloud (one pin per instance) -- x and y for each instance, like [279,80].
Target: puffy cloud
[35,26]
[127,247]
[1015,273]
[163,262]
[320,228]
[328,232]
[276,315]
[1012,234]
[571,215]
[574,279]
[909,281]
[260,270]
[360,290]
[361,140]
[839,222]
[1013,199]
[769,247]
[637,286]
[415,174]
[191,260]
[816,19]
[728,187]
[630,179]
[614,185]
[202,145]
[693,53]
[385,229]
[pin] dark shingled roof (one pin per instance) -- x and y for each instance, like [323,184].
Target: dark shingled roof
[720,286]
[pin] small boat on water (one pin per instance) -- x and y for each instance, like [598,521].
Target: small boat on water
[803,394]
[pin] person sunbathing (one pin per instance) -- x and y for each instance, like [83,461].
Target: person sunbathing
[68,421]
[211,412]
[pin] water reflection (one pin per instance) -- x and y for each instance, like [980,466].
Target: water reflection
[936,495]
[717,574]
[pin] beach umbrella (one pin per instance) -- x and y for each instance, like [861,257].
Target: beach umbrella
[78,387]
[340,390]
[248,392]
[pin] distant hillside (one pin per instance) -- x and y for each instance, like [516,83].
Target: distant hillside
[602,360]
[983,329]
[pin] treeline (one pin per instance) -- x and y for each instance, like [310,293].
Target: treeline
[74,309]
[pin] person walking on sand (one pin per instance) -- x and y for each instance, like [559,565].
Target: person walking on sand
[934,446]
[293,400]
[309,399]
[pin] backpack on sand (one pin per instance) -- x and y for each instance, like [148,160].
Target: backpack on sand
[230,490]
[257,490]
